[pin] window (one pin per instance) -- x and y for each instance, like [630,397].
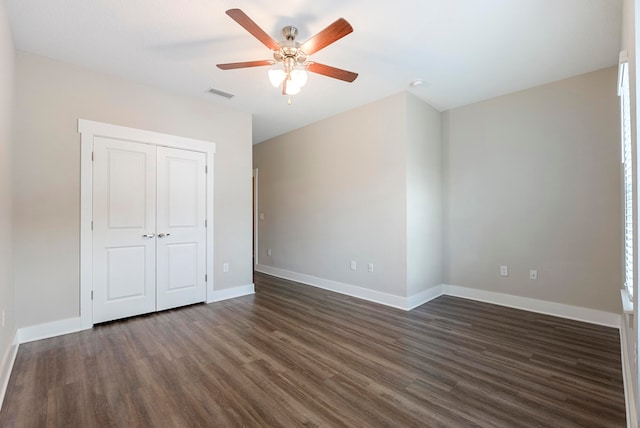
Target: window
[627,161]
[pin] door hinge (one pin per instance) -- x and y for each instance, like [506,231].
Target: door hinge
[91,294]
[205,223]
[205,277]
[91,224]
[91,156]
[206,169]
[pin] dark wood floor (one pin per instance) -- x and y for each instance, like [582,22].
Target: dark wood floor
[293,355]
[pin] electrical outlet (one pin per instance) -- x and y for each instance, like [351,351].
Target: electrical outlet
[370,267]
[268,251]
[533,274]
[225,267]
[354,266]
[504,271]
[261,216]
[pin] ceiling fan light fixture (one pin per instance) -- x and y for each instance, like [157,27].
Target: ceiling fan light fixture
[295,79]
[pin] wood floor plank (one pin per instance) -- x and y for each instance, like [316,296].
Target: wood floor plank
[293,355]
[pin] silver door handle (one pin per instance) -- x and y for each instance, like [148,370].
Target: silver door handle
[162,235]
[148,235]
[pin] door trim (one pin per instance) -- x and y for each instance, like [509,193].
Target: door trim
[89,129]
[255,218]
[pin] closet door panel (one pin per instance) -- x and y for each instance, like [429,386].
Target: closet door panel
[124,221]
[181,214]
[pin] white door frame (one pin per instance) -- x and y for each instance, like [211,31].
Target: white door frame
[90,129]
[255,218]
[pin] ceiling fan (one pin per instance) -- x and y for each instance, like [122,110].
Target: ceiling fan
[293,56]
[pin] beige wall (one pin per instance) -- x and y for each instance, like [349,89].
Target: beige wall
[334,191]
[533,182]
[7,59]
[50,97]
[424,196]
[364,185]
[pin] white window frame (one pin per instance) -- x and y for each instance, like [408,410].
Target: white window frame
[627,173]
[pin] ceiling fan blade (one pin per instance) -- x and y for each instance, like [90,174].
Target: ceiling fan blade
[324,38]
[336,73]
[247,64]
[247,23]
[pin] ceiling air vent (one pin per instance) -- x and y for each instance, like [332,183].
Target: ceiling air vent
[220,93]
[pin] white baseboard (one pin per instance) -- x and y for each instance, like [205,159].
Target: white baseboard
[627,376]
[72,325]
[231,293]
[577,313]
[338,287]
[399,302]
[592,316]
[6,366]
[49,329]
[424,296]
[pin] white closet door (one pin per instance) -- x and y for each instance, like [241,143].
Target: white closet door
[124,220]
[181,210]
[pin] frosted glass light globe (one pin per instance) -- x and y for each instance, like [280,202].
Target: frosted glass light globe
[276,76]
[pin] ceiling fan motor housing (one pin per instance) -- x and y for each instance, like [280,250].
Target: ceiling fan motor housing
[289,48]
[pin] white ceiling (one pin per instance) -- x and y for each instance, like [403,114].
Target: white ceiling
[465,50]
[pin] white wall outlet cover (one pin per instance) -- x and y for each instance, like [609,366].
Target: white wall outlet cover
[354,265]
[533,274]
[225,267]
[268,251]
[370,267]
[504,271]
[261,216]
